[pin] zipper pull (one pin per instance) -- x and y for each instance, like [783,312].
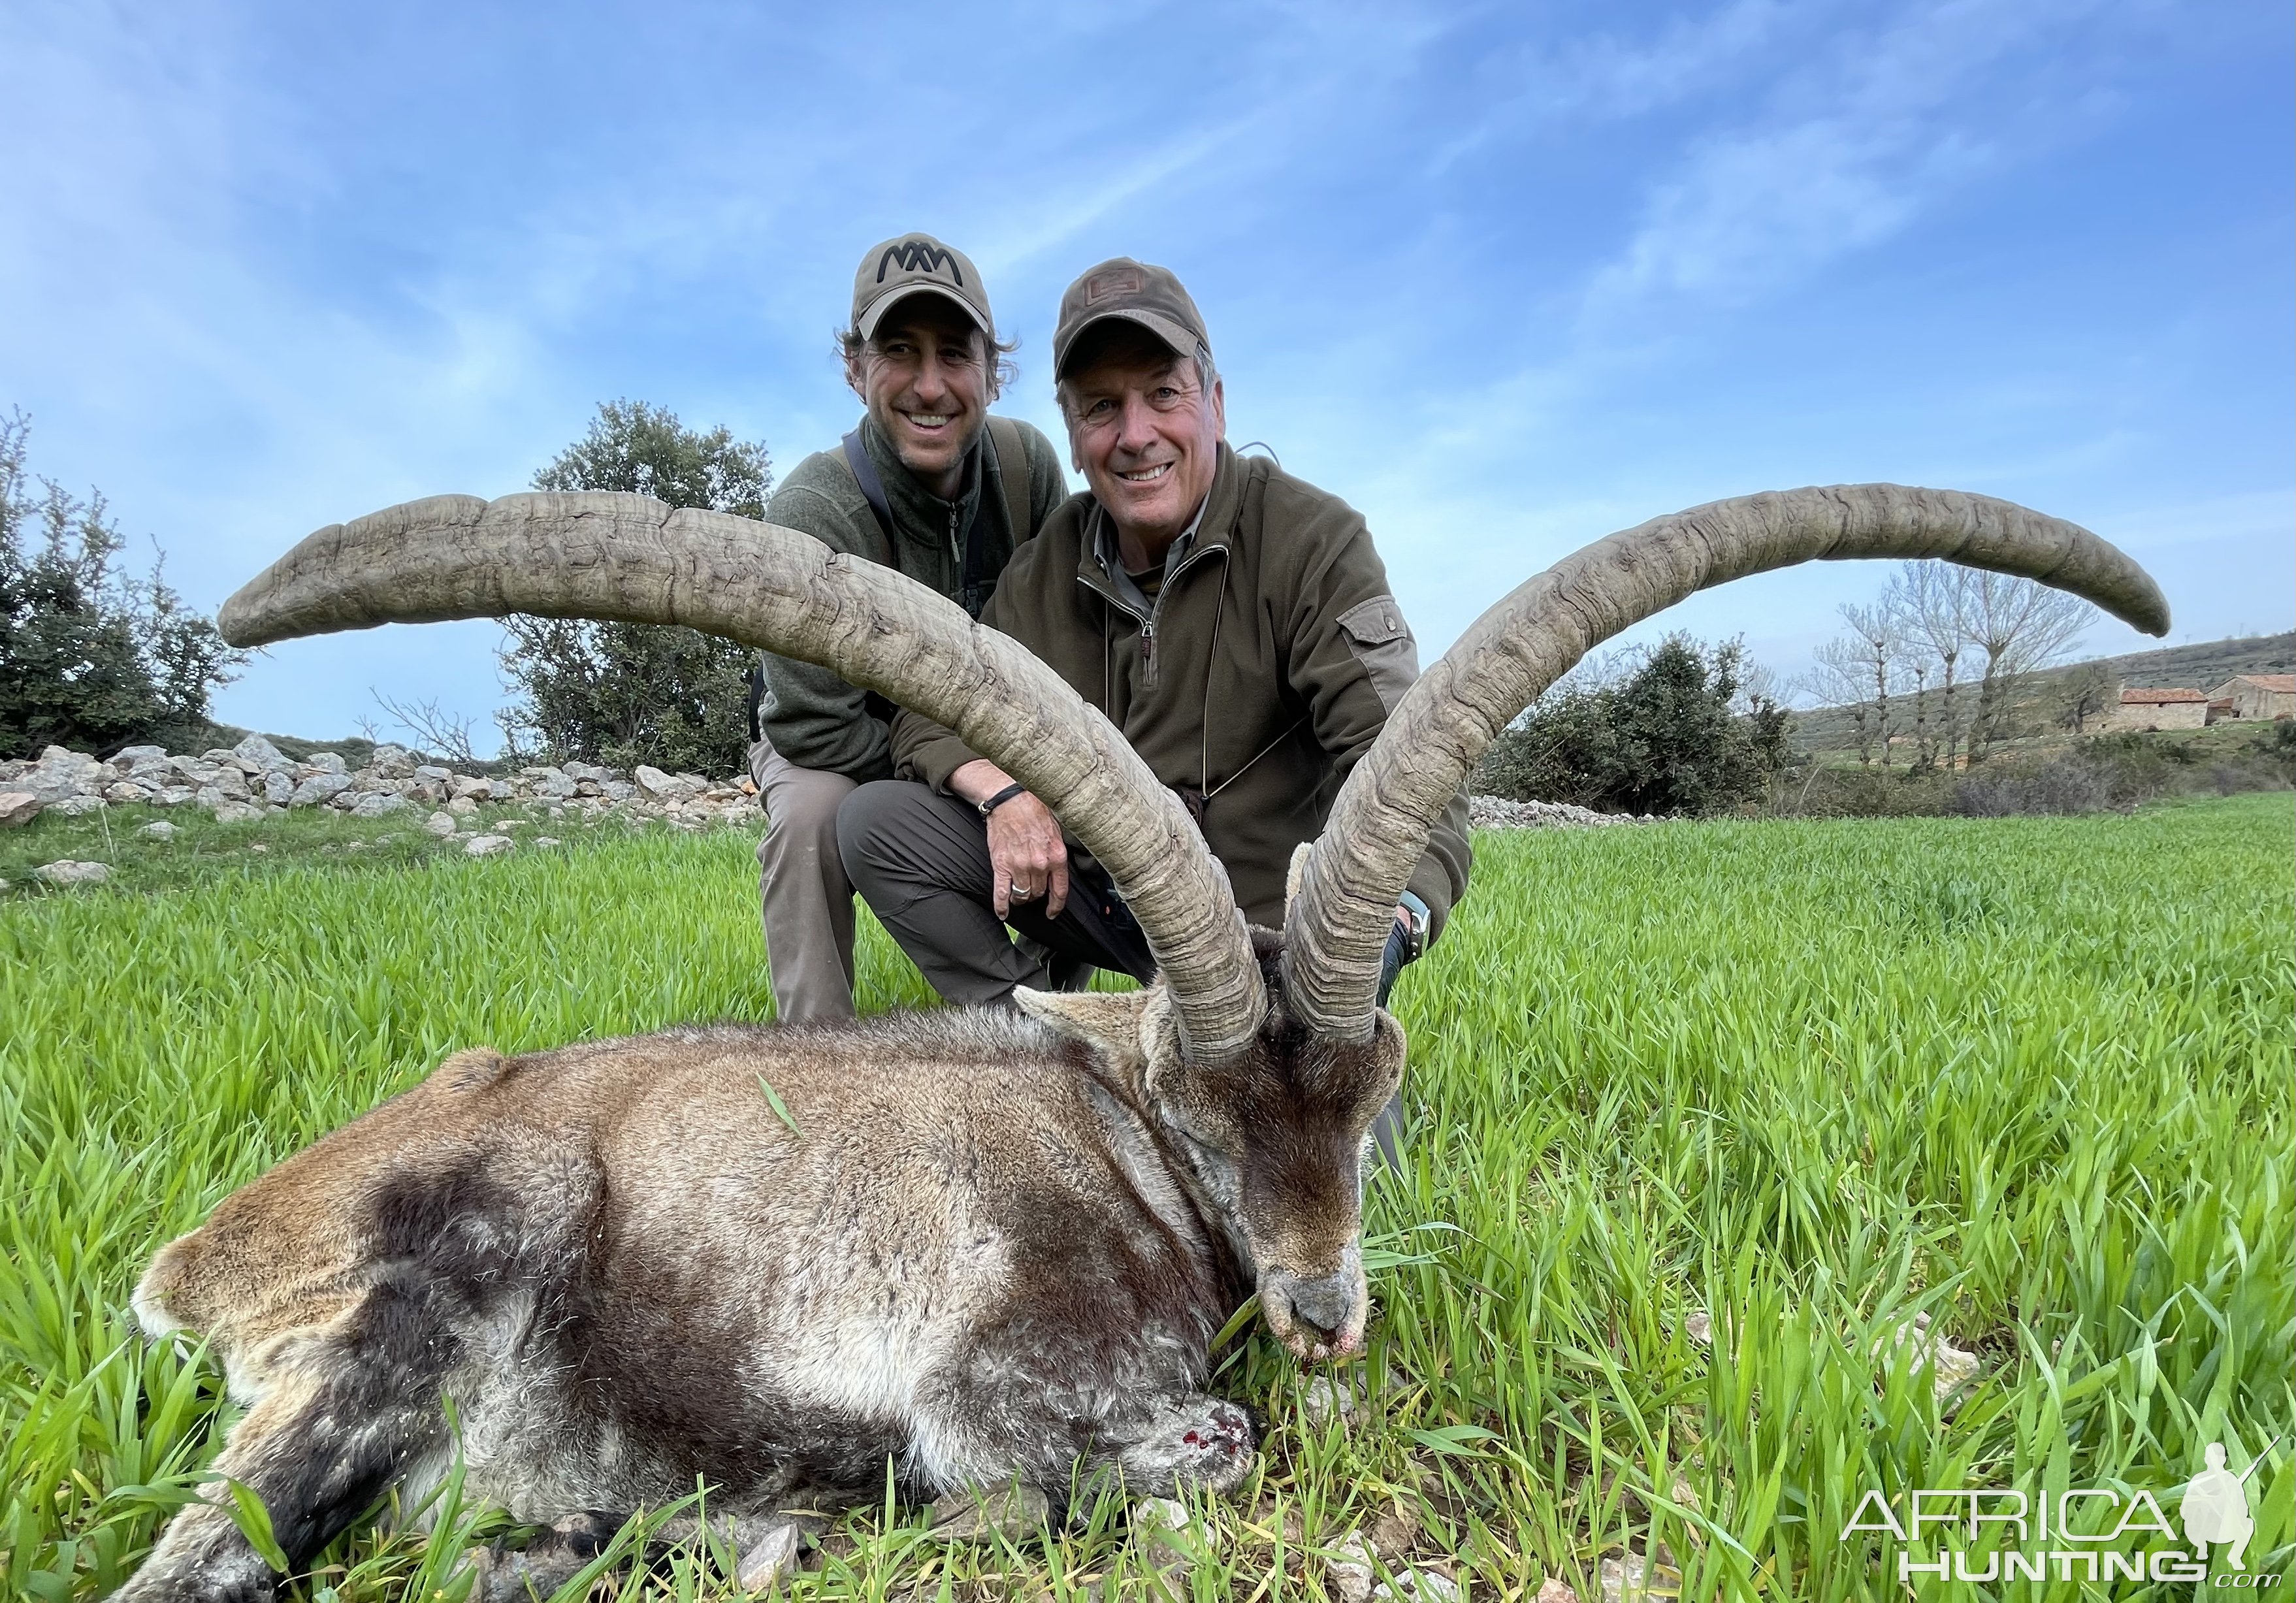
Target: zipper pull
[1148,652]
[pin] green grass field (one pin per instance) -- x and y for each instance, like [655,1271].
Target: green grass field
[2032,1077]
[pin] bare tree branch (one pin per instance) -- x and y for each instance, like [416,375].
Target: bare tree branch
[436,732]
[2021,626]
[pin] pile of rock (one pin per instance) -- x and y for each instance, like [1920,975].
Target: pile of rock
[254,779]
[1493,812]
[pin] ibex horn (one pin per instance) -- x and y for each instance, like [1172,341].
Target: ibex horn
[634,559]
[1336,928]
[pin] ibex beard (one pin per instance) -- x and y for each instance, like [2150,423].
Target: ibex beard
[979,1245]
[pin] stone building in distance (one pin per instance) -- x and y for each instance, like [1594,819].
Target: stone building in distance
[2159,708]
[2260,695]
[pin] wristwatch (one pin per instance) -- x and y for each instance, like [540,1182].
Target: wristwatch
[1001,797]
[1415,921]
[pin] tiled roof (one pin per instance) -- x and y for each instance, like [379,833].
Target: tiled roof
[2279,683]
[2154,698]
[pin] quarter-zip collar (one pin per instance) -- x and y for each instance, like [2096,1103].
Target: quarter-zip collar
[1112,559]
[1100,568]
[923,518]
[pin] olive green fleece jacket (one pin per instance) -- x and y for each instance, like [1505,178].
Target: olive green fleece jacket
[815,718]
[1265,668]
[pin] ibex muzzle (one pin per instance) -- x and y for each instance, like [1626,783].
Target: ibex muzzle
[981,1245]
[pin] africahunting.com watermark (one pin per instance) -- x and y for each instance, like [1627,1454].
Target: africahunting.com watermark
[2092,1533]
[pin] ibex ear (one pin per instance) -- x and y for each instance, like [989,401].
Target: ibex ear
[1109,1022]
[1295,876]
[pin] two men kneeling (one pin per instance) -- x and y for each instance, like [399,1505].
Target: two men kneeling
[1232,622]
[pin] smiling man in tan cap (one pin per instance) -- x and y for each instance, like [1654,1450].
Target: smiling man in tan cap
[1233,621]
[927,482]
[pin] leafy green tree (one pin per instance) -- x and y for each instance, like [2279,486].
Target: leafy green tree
[1667,736]
[90,657]
[624,694]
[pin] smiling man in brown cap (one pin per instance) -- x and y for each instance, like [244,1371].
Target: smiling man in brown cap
[927,482]
[1234,623]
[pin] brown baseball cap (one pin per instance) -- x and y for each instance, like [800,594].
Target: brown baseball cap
[916,264]
[1136,292]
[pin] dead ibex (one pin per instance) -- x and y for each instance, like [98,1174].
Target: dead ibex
[978,1245]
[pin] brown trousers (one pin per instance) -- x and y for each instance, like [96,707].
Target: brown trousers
[802,891]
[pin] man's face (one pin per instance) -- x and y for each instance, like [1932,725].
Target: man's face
[924,374]
[1144,432]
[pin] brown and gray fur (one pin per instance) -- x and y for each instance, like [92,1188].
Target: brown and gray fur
[992,1245]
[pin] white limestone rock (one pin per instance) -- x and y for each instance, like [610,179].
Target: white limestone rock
[65,872]
[322,786]
[664,787]
[1326,1399]
[59,773]
[1496,812]
[262,753]
[1348,1576]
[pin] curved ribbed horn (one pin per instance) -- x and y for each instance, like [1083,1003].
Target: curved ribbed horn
[1336,928]
[633,559]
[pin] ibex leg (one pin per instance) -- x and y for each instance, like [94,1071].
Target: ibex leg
[341,1413]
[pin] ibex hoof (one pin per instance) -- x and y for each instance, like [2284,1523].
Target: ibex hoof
[1206,1442]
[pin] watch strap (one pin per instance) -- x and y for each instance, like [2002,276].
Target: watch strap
[1421,919]
[1002,797]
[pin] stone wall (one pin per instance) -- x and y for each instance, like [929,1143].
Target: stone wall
[254,780]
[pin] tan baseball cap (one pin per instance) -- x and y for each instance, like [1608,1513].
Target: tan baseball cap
[1136,292]
[916,264]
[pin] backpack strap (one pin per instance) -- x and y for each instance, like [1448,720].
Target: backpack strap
[1011,476]
[872,490]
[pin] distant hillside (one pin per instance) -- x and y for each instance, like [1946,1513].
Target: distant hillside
[2199,665]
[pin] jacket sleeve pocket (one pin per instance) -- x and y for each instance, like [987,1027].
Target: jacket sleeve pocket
[1382,642]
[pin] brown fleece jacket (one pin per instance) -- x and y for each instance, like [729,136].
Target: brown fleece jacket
[1267,666]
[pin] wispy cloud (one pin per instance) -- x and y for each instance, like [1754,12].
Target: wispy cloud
[1850,148]
[1607,75]
[1505,279]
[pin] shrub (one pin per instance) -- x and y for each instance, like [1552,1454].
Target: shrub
[2059,784]
[1868,792]
[1664,738]
[90,658]
[2116,771]
[624,694]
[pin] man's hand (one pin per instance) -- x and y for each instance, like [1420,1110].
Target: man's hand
[1027,856]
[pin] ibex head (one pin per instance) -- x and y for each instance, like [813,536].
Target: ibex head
[1263,1055]
[1272,1135]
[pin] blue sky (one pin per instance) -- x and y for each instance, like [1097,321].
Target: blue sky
[1505,277]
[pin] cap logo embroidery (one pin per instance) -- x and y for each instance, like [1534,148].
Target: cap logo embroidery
[1102,285]
[915,256]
